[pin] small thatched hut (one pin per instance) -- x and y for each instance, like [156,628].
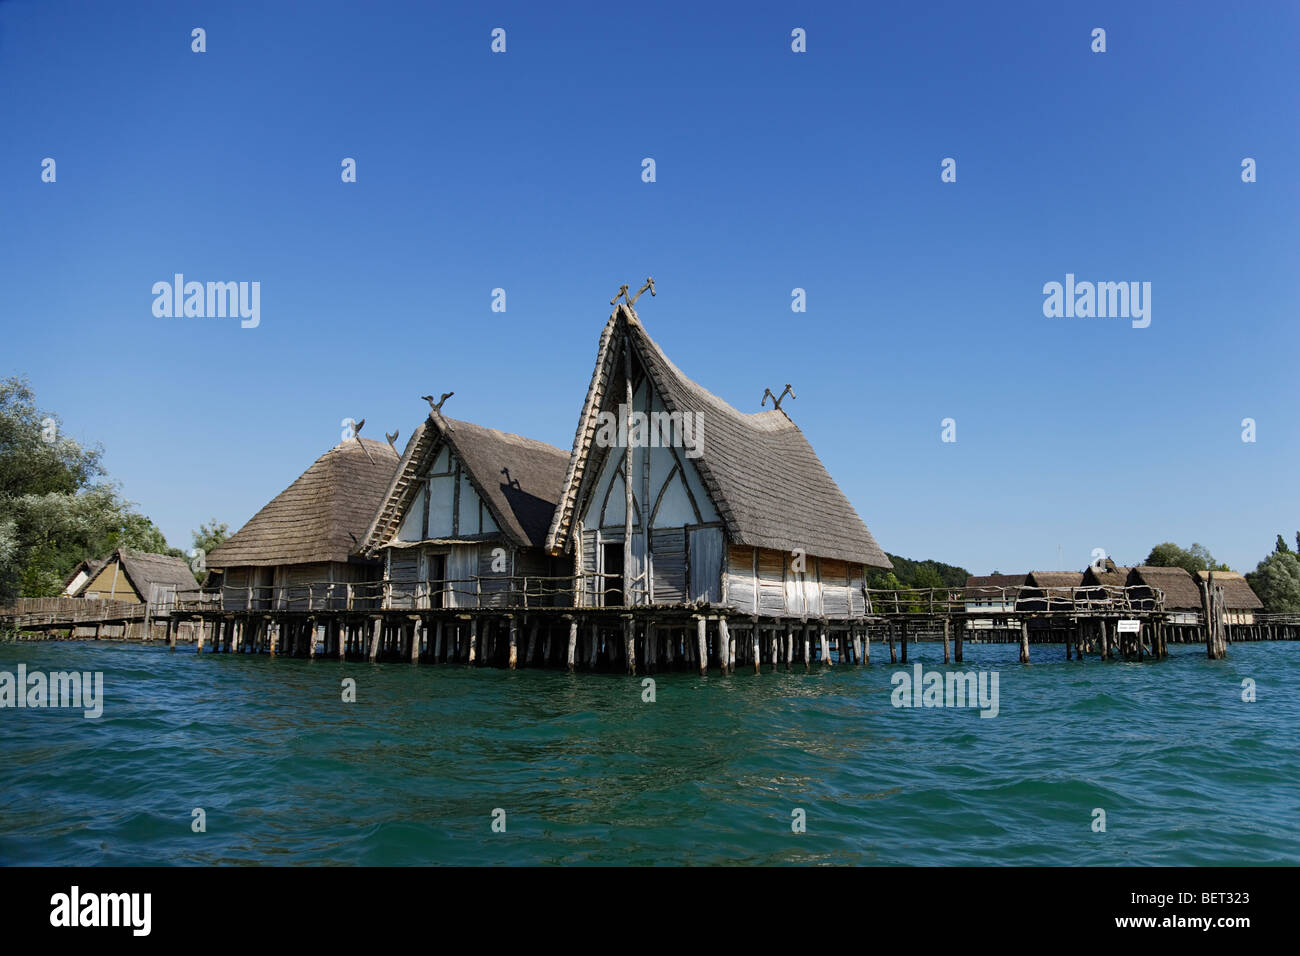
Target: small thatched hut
[1182,599]
[1105,583]
[463,521]
[674,497]
[137,577]
[309,537]
[1035,595]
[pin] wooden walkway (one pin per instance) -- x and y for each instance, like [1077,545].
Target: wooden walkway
[531,622]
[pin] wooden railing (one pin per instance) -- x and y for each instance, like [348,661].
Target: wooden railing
[597,590]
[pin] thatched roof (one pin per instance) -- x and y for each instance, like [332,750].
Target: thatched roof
[766,482]
[1181,593]
[1237,592]
[91,566]
[142,569]
[1054,579]
[522,509]
[321,517]
[1109,575]
[995,580]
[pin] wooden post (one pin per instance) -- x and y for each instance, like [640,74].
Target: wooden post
[724,646]
[311,638]
[514,637]
[573,641]
[200,628]
[341,635]
[826,646]
[961,632]
[789,645]
[532,642]
[753,638]
[172,626]
[866,645]
[807,646]
[947,629]
[701,635]
[473,640]
[1024,641]
[893,652]
[651,647]
[377,633]
[629,644]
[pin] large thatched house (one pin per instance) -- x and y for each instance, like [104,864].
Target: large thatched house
[673,497]
[463,521]
[307,542]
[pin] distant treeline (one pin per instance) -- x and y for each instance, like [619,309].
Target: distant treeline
[917,574]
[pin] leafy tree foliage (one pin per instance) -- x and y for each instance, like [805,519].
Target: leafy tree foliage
[56,505]
[1276,580]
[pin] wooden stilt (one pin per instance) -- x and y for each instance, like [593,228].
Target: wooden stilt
[573,641]
[1024,642]
[701,634]
[893,653]
[961,632]
[531,653]
[947,628]
[807,646]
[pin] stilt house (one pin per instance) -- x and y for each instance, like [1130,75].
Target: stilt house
[305,545]
[672,497]
[463,522]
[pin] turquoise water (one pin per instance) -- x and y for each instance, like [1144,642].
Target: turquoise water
[586,772]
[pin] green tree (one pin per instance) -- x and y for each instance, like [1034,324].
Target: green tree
[56,507]
[1281,547]
[1193,559]
[1276,580]
[209,535]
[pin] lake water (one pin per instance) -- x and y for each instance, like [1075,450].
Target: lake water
[713,771]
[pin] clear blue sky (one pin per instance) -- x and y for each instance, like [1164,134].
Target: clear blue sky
[775,170]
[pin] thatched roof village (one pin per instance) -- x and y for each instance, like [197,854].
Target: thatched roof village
[672,510]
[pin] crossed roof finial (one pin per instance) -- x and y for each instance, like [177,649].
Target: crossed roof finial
[631,300]
[776,402]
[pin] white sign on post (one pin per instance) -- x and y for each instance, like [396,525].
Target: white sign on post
[1130,627]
